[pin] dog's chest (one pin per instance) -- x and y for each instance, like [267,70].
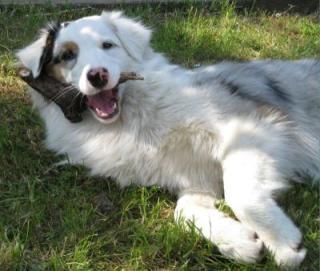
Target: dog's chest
[173,159]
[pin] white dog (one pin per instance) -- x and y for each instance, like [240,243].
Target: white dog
[244,131]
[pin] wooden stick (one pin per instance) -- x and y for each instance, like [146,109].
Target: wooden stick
[67,97]
[126,76]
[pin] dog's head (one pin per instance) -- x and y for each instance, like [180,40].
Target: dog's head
[90,53]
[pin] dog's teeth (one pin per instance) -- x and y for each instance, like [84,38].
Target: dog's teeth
[100,113]
[115,106]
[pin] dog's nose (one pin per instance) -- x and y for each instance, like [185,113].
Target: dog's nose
[98,77]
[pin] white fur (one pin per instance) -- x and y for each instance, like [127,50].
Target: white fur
[196,140]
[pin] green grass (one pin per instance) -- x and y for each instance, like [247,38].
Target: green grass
[58,219]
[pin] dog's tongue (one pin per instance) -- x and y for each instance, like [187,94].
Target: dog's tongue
[103,101]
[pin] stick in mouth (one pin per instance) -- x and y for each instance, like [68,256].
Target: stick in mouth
[66,96]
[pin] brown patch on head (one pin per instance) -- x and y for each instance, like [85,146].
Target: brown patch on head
[66,53]
[54,70]
[71,46]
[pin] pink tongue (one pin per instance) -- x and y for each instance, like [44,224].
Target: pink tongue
[103,101]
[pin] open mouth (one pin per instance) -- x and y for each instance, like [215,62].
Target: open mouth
[105,104]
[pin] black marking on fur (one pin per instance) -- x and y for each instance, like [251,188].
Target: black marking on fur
[231,86]
[235,89]
[56,60]
[278,94]
[65,24]
[277,90]
[51,31]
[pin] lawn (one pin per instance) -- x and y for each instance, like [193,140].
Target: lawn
[59,218]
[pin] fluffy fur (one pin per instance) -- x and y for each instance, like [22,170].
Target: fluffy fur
[244,131]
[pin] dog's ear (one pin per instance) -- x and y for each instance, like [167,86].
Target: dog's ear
[135,37]
[36,55]
[30,56]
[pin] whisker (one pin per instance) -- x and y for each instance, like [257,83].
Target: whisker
[75,97]
[63,92]
[60,94]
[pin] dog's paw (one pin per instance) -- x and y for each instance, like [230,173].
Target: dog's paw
[232,238]
[288,256]
[241,244]
[287,249]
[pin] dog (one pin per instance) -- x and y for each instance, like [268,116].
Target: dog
[244,132]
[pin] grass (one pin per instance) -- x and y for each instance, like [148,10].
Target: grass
[59,219]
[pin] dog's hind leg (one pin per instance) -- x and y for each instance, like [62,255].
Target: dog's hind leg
[234,240]
[250,182]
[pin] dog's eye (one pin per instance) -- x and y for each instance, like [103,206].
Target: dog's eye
[107,45]
[68,55]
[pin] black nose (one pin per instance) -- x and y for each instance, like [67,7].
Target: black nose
[98,77]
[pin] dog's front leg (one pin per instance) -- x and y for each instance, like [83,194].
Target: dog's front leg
[232,238]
